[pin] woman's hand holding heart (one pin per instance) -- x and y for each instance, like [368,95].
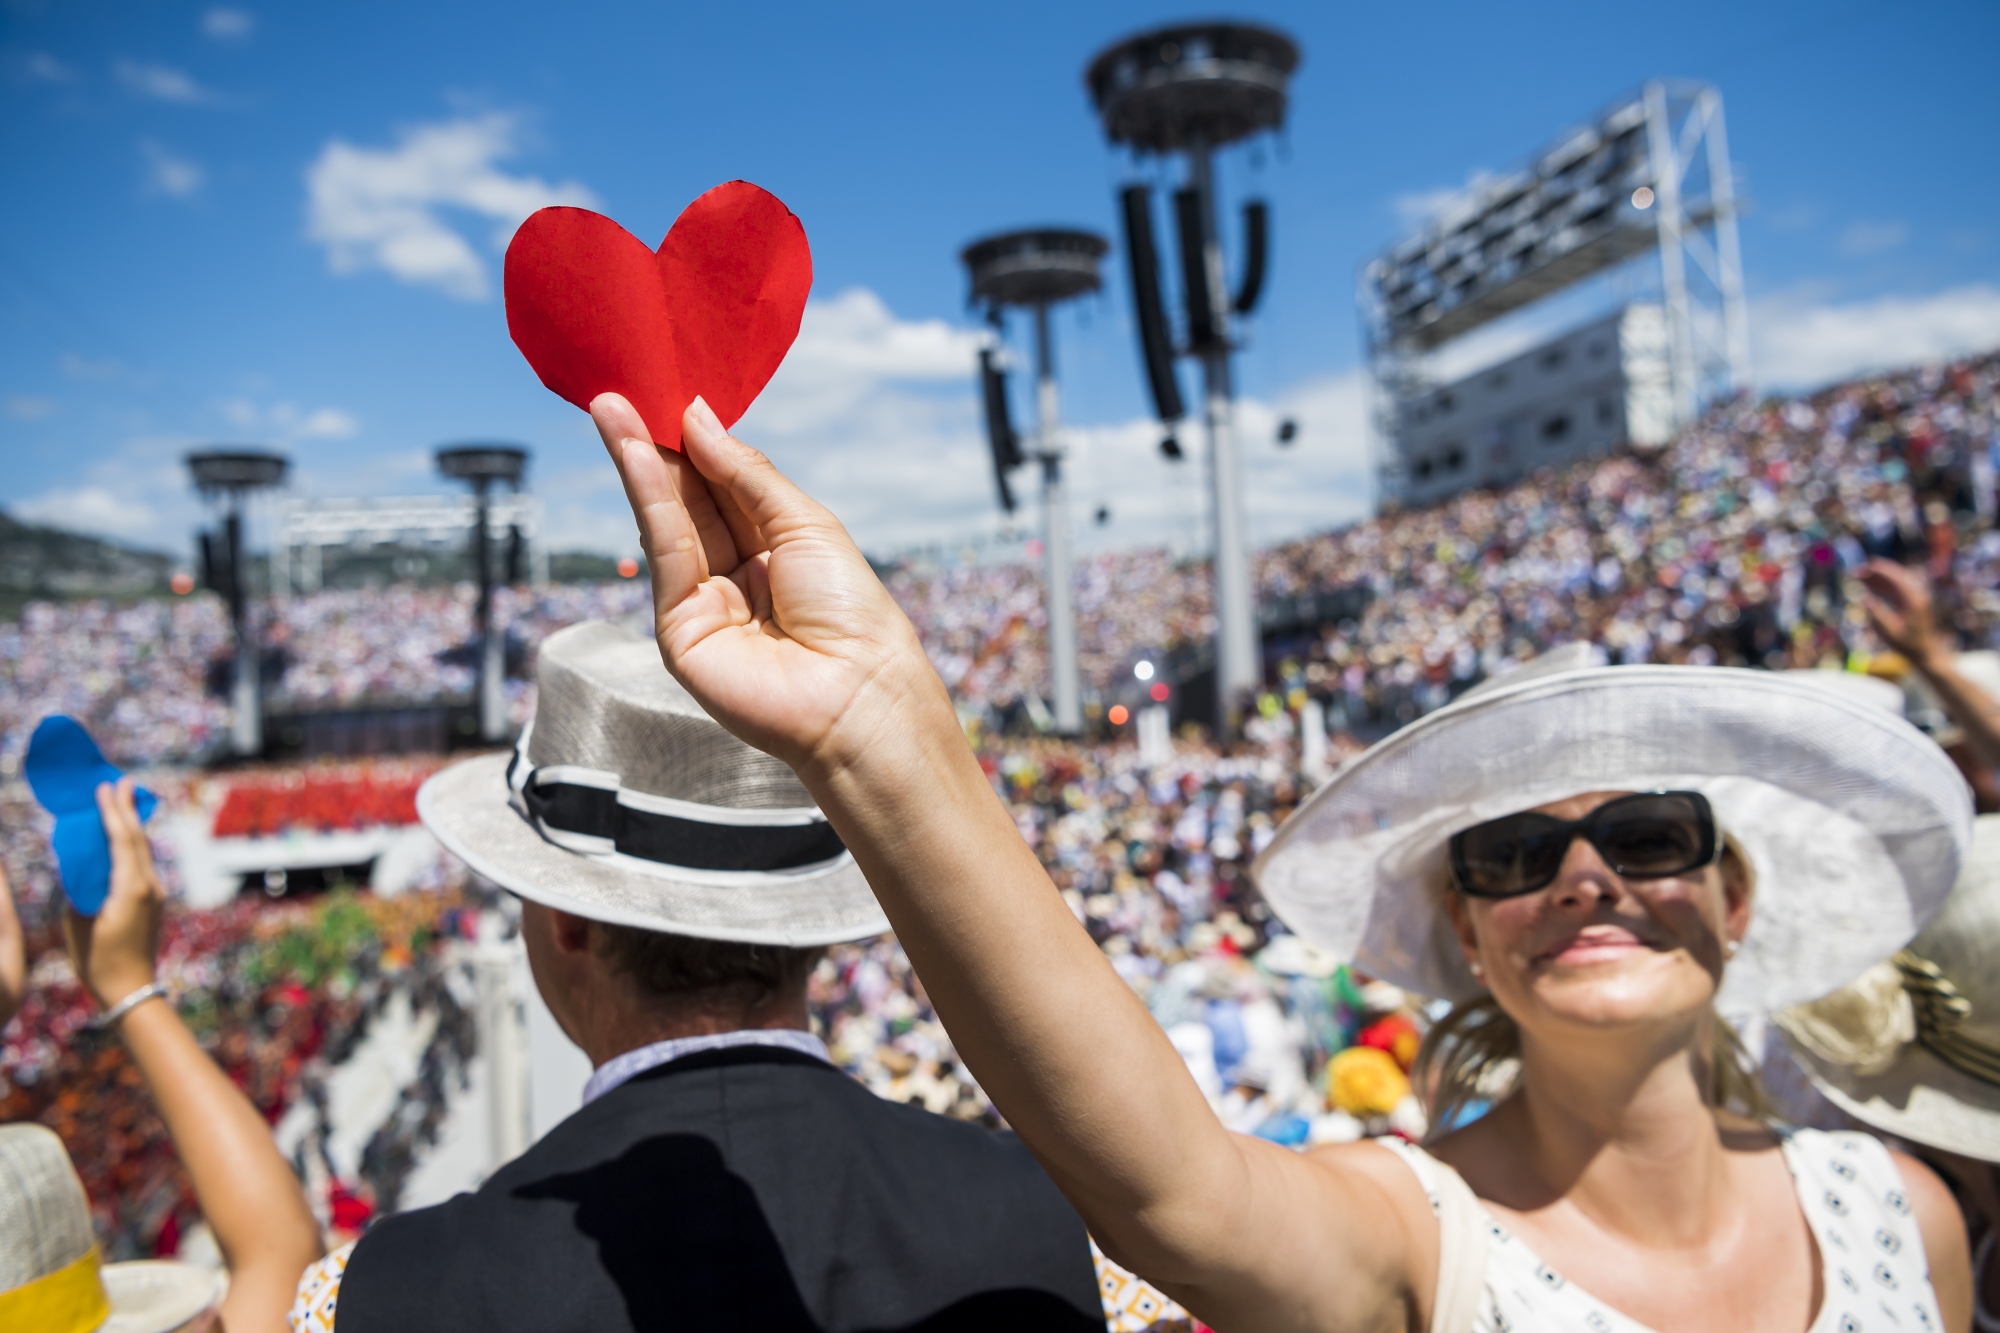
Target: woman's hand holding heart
[765,609]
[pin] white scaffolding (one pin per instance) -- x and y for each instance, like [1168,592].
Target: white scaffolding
[413,522]
[1649,176]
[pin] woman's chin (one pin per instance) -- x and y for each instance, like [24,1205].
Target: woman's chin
[1613,988]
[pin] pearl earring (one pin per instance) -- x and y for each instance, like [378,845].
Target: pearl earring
[1729,948]
[1478,969]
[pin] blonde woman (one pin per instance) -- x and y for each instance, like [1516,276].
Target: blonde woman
[1585,819]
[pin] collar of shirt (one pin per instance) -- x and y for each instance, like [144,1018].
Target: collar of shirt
[620,1069]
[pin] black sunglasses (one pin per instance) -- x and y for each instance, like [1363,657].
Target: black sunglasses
[1648,835]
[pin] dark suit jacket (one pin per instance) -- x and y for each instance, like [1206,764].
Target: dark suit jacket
[751,1188]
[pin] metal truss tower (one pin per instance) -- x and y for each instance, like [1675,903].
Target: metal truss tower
[484,466]
[1650,175]
[230,476]
[1192,89]
[1036,269]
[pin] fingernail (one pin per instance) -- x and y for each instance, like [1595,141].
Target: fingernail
[704,415]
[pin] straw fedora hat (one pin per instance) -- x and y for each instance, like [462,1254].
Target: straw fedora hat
[626,803]
[1853,823]
[1913,1046]
[51,1280]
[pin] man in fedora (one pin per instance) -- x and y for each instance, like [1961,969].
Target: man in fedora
[676,888]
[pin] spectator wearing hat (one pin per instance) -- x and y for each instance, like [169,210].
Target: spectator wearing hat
[1912,1049]
[51,1276]
[677,888]
[246,1191]
[1571,858]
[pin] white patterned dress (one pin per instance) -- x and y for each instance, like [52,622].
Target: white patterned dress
[1876,1279]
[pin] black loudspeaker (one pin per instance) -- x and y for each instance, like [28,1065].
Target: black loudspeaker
[516,555]
[1256,253]
[1000,436]
[1202,333]
[215,564]
[1156,344]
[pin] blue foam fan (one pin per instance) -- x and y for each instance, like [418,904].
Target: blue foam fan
[64,766]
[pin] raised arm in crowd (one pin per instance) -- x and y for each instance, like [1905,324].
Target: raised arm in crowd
[1613,1158]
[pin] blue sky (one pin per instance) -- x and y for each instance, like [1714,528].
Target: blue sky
[282,225]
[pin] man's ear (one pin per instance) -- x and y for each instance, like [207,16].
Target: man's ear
[570,932]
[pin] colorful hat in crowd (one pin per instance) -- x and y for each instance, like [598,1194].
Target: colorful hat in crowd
[1913,1046]
[51,1279]
[625,802]
[64,768]
[1853,822]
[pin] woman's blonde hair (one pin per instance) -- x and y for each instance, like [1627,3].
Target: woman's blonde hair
[1473,1053]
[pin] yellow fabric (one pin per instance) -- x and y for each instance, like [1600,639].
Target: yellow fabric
[69,1300]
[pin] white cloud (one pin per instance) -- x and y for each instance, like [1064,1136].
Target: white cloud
[162,83]
[383,207]
[29,407]
[46,68]
[96,509]
[1417,207]
[167,174]
[1868,238]
[82,368]
[1799,344]
[287,421]
[328,423]
[228,25]
[879,419]
[1414,208]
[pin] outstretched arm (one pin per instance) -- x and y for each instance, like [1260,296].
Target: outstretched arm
[13,954]
[1902,613]
[245,1188]
[769,615]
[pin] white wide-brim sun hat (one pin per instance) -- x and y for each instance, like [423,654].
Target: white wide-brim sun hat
[1853,822]
[1891,1055]
[613,726]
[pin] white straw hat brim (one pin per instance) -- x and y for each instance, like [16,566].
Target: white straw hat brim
[1919,1098]
[1853,822]
[466,806]
[158,1295]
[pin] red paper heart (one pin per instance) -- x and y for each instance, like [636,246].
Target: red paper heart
[712,313]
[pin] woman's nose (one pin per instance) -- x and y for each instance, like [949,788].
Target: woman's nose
[1584,877]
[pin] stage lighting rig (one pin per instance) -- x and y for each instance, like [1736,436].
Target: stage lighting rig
[1035,269]
[228,477]
[483,467]
[1187,91]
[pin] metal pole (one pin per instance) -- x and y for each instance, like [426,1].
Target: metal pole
[1238,670]
[1673,264]
[1728,249]
[492,659]
[1064,678]
[247,730]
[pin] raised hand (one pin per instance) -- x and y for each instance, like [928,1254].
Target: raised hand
[1899,610]
[764,607]
[113,952]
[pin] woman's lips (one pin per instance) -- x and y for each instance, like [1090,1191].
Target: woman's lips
[1594,946]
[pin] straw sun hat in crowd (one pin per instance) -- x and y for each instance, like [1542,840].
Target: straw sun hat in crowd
[1913,1046]
[1853,823]
[51,1280]
[626,803]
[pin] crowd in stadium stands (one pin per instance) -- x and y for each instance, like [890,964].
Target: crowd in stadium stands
[279,994]
[1732,546]
[1729,546]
